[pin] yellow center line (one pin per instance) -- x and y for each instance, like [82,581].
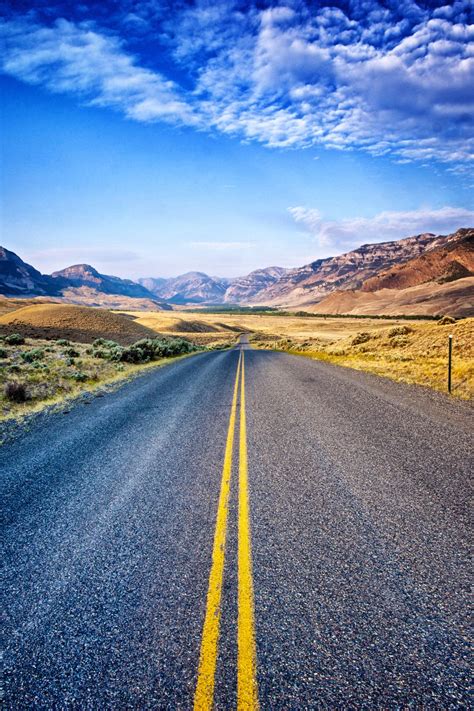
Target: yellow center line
[204,695]
[247,691]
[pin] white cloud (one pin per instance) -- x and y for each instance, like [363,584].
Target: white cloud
[393,81]
[76,58]
[386,226]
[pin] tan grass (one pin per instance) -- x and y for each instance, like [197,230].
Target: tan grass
[410,352]
[77,323]
[51,380]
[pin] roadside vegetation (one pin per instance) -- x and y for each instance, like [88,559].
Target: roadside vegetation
[50,353]
[406,352]
[38,372]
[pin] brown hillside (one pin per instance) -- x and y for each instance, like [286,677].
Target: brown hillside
[455,298]
[447,263]
[77,323]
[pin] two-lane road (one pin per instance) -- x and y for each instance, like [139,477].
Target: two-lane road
[240,528]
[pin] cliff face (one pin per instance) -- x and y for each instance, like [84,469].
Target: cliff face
[17,278]
[311,283]
[80,275]
[448,262]
[244,289]
[422,263]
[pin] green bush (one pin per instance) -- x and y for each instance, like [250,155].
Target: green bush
[32,355]
[143,351]
[16,392]
[135,354]
[115,354]
[71,352]
[15,339]
[100,353]
[104,342]
[79,377]
[154,348]
[63,342]
[3,353]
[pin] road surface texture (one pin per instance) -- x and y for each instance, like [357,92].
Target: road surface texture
[240,529]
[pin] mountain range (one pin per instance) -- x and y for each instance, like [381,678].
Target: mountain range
[425,273]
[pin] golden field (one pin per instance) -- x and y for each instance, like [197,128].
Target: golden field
[409,351]
[406,350]
[78,323]
[212,326]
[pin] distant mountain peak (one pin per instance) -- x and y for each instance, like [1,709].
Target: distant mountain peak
[79,283]
[311,283]
[78,271]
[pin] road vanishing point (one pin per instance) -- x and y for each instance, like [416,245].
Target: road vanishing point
[240,529]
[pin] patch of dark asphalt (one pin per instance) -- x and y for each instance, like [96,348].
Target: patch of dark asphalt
[361,538]
[359,494]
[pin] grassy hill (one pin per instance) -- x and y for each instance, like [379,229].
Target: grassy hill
[77,323]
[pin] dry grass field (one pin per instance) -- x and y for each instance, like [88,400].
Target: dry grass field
[9,304]
[404,350]
[35,372]
[410,352]
[46,356]
[223,325]
[77,323]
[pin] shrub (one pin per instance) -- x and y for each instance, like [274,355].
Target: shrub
[14,368]
[360,338]
[71,352]
[100,353]
[32,355]
[399,342]
[153,348]
[104,342]
[134,354]
[399,331]
[63,342]
[79,377]
[115,354]
[16,392]
[3,353]
[15,339]
[445,320]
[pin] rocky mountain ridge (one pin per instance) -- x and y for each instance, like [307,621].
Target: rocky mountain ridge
[372,268]
[79,275]
[199,288]
[78,284]
[315,281]
[454,259]
[189,288]
[17,278]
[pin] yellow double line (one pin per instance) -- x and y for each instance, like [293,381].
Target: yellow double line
[247,693]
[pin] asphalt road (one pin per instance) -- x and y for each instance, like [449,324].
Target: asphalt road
[170,544]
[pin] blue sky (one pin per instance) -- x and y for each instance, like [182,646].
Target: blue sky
[154,137]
